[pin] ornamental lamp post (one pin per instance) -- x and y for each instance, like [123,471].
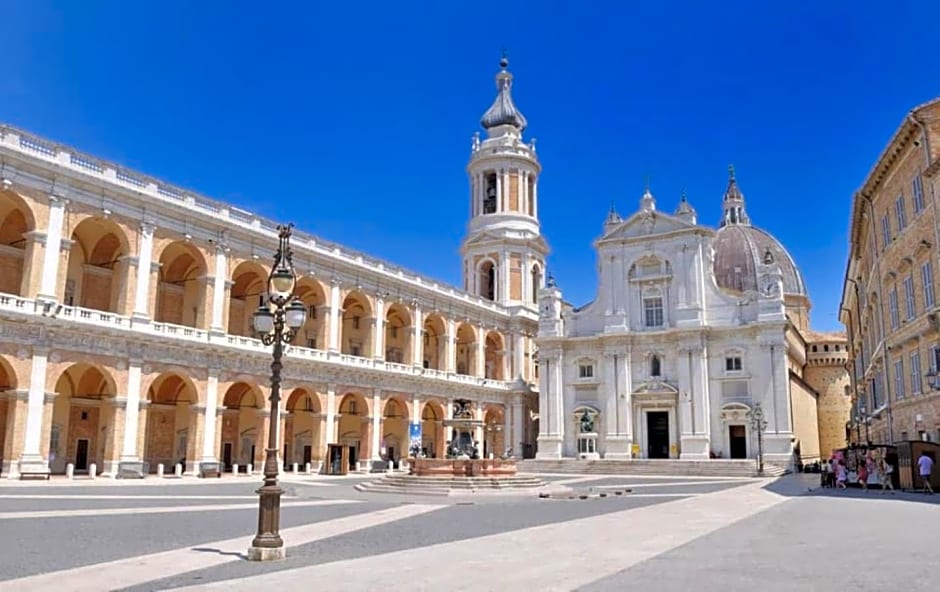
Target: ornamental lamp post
[759,424]
[933,380]
[276,321]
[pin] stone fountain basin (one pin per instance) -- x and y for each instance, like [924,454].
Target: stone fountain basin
[456,467]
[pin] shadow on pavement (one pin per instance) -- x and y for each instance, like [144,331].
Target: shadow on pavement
[807,484]
[220,552]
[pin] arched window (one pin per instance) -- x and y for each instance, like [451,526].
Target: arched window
[655,366]
[489,198]
[488,280]
[536,283]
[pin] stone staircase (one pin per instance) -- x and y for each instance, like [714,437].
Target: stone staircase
[406,484]
[664,467]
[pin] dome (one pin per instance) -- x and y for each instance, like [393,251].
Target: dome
[740,249]
[503,111]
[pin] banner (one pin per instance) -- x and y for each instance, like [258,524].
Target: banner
[414,447]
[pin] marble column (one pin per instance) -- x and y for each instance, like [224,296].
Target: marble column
[417,336]
[212,407]
[218,290]
[336,316]
[144,258]
[48,289]
[376,425]
[378,343]
[32,460]
[330,415]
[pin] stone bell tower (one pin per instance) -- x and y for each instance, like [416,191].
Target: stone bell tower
[504,252]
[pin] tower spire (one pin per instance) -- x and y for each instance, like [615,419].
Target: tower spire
[503,111]
[733,203]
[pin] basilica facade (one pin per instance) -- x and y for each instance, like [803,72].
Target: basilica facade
[692,331]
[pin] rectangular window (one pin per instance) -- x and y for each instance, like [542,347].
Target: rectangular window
[586,371]
[926,275]
[885,231]
[917,189]
[899,379]
[733,364]
[915,373]
[899,213]
[653,312]
[893,308]
[877,383]
[312,343]
[909,305]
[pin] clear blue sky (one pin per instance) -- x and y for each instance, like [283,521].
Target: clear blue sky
[354,119]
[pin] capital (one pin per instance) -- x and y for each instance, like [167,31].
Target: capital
[147,228]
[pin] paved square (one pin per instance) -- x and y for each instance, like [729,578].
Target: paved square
[667,534]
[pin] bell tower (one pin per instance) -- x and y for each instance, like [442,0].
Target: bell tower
[504,252]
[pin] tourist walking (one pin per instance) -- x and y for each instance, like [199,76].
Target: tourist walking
[824,470]
[925,467]
[887,476]
[840,475]
[863,474]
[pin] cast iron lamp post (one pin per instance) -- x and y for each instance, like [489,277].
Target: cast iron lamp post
[758,424]
[276,321]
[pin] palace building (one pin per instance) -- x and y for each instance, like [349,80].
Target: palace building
[125,322]
[692,331]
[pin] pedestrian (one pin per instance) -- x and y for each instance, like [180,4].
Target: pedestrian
[824,470]
[863,474]
[840,475]
[831,473]
[887,476]
[925,467]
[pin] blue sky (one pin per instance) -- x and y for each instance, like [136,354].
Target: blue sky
[355,121]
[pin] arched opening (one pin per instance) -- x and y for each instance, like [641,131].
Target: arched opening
[171,423]
[587,429]
[494,356]
[434,342]
[397,335]
[97,269]
[357,325]
[314,332]
[249,284]
[352,427]
[395,431]
[241,426]
[464,349]
[489,195]
[16,220]
[494,436]
[432,430]
[487,280]
[83,411]
[181,286]
[536,284]
[302,429]
[656,366]
[7,383]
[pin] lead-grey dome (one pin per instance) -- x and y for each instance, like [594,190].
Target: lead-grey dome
[503,111]
[741,248]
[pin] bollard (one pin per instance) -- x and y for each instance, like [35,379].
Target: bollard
[178,470]
[92,470]
[70,471]
[235,470]
[160,470]
[296,467]
[248,469]
[308,468]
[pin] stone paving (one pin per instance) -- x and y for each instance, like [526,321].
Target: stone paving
[668,534]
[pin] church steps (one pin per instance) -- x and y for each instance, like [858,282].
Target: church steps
[647,467]
[412,484]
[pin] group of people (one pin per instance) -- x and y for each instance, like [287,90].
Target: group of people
[835,473]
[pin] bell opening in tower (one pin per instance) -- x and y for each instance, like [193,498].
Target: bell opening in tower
[489,199]
[488,280]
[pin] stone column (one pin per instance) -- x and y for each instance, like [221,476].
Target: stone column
[130,461]
[336,316]
[617,441]
[194,441]
[219,321]
[479,358]
[518,352]
[32,460]
[551,407]
[450,352]
[503,292]
[144,258]
[518,427]
[208,454]
[142,425]
[378,344]
[376,425]
[417,337]
[48,288]
[330,415]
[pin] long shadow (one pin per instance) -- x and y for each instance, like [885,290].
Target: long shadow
[807,485]
[221,552]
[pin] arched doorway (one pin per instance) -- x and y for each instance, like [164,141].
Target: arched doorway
[464,349]
[314,332]
[249,283]
[357,326]
[494,436]
[397,335]
[432,430]
[96,277]
[171,431]
[352,427]
[240,426]
[181,286]
[82,431]
[16,220]
[7,384]
[494,356]
[395,430]
[302,429]
[434,342]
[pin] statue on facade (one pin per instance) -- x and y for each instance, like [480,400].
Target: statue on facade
[463,409]
[587,423]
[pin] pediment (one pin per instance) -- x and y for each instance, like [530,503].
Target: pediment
[644,224]
[655,387]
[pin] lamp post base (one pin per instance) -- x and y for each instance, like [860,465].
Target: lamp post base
[266,553]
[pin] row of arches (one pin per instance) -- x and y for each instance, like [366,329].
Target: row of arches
[98,275]
[86,422]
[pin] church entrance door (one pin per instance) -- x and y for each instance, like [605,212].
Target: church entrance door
[657,434]
[737,441]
